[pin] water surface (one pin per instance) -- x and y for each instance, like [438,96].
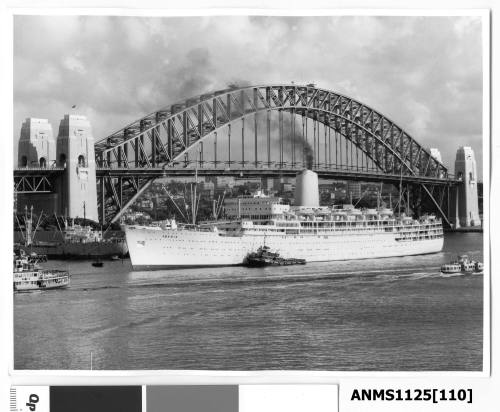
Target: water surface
[393,314]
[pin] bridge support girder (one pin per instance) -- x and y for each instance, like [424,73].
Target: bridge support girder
[117,193]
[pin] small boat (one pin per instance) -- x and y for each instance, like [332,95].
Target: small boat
[28,276]
[463,264]
[468,265]
[452,267]
[264,257]
[115,257]
[97,264]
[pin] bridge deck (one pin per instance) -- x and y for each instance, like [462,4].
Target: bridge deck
[264,172]
[37,171]
[238,171]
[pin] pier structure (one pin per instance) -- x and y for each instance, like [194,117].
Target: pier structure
[270,131]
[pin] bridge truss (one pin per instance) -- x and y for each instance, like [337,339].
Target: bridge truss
[35,180]
[265,130]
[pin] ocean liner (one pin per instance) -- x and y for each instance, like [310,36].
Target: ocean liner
[305,231]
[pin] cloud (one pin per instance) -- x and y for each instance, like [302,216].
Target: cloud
[73,63]
[424,73]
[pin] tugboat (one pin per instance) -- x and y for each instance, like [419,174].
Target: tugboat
[264,257]
[463,264]
[28,276]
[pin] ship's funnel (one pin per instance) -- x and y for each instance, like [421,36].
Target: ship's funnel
[306,189]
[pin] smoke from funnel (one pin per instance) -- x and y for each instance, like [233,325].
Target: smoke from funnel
[308,155]
[307,148]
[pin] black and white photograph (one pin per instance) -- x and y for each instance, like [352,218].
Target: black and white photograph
[250,192]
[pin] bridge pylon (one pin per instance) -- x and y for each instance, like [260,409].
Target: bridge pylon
[75,152]
[465,200]
[36,155]
[36,146]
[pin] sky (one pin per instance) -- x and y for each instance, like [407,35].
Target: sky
[424,73]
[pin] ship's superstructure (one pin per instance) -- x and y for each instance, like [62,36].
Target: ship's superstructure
[303,231]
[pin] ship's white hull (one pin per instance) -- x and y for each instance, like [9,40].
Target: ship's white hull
[154,249]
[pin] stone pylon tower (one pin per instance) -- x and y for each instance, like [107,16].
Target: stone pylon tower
[466,200]
[75,151]
[37,147]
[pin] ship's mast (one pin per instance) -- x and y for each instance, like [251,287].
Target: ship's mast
[20,228]
[195,199]
[220,202]
[379,197]
[193,204]
[407,201]
[37,224]
[400,190]
[57,221]
[175,204]
[28,223]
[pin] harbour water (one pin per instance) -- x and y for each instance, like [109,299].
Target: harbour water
[394,314]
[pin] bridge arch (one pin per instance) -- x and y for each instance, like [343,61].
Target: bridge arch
[166,135]
[189,122]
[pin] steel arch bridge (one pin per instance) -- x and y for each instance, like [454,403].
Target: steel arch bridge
[280,126]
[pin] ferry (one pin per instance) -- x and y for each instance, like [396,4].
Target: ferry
[28,276]
[305,230]
[463,264]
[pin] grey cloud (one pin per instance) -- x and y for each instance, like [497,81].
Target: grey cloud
[424,73]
